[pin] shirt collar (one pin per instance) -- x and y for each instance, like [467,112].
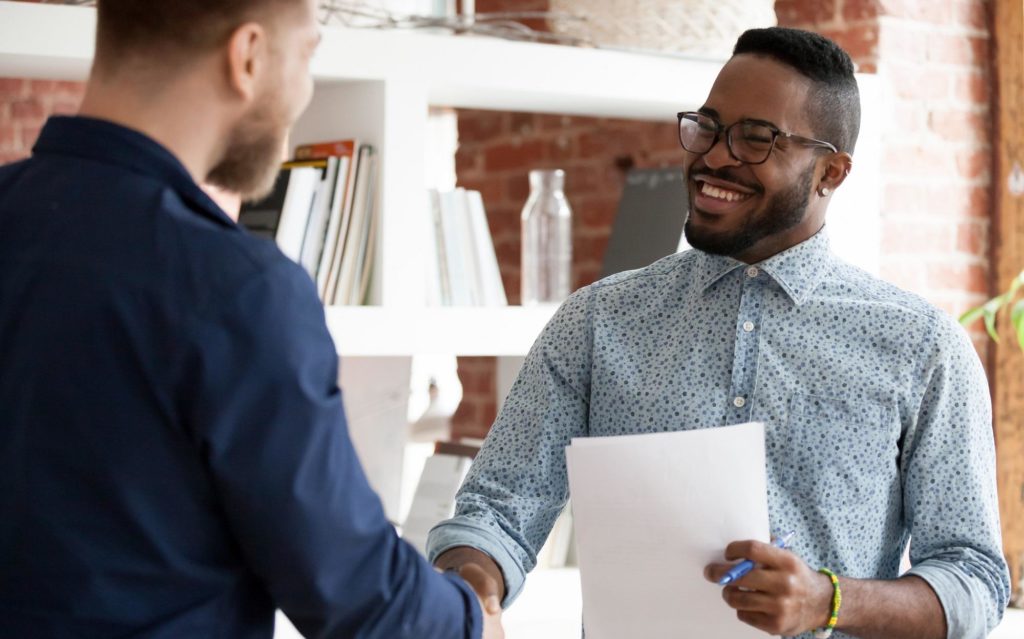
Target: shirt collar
[797,270]
[112,143]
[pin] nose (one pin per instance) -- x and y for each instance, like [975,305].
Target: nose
[718,155]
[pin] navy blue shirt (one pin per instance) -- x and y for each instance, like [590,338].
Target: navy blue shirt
[174,459]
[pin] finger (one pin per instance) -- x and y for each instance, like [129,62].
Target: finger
[767,580]
[759,620]
[484,585]
[714,572]
[749,600]
[759,552]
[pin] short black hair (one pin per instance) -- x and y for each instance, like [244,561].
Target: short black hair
[833,105]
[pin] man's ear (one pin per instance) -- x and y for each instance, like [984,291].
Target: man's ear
[837,167]
[246,59]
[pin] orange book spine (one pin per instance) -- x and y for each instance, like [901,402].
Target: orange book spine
[334,148]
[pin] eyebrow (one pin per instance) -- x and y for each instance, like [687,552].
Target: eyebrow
[708,111]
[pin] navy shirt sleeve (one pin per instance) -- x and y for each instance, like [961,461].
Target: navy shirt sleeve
[263,404]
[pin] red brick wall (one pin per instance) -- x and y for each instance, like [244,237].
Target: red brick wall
[933,62]
[24,107]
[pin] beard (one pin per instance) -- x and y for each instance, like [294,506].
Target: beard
[253,153]
[784,211]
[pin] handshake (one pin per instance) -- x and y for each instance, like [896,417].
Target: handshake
[484,577]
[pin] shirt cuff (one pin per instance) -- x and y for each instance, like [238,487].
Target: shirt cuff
[452,533]
[962,604]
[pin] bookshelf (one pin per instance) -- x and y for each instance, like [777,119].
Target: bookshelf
[379,85]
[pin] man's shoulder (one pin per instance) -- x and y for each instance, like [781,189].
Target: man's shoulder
[857,285]
[678,265]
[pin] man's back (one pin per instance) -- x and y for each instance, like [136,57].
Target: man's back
[172,441]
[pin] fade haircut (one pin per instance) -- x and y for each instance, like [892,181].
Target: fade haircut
[833,103]
[172,30]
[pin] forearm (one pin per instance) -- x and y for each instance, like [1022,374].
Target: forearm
[455,558]
[905,608]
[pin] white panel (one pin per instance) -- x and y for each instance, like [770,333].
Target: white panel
[854,218]
[479,331]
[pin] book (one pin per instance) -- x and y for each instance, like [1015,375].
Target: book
[321,150]
[458,256]
[438,290]
[649,221]
[316,229]
[281,215]
[356,239]
[298,202]
[488,275]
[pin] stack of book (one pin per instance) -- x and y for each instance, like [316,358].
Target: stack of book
[322,215]
[462,268]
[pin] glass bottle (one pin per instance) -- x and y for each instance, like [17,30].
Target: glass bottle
[547,240]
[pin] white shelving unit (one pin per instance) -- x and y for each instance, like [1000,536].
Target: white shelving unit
[379,85]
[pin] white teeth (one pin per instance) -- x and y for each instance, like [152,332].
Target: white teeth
[721,194]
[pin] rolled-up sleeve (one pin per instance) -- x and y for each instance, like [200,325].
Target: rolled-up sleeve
[949,489]
[518,485]
[268,414]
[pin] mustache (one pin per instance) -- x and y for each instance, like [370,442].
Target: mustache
[727,175]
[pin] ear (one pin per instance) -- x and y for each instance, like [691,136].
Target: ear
[837,167]
[246,58]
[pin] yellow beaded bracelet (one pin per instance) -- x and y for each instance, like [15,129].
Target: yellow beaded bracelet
[837,600]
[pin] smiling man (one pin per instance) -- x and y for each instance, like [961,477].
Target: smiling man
[876,408]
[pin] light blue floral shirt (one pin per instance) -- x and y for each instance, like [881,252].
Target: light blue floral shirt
[877,414]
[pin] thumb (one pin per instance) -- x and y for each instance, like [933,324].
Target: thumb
[484,586]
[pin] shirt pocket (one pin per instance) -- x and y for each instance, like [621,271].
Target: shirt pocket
[837,452]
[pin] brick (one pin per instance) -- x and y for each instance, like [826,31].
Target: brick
[958,50]
[517,188]
[10,141]
[480,125]
[467,161]
[974,164]
[914,236]
[960,126]
[911,81]
[522,155]
[860,41]
[802,14]
[972,87]
[972,238]
[854,10]
[933,11]
[13,88]
[903,43]
[970,277]
[589,247]
[29,134]
[28,110]
[503,224]
[971,14]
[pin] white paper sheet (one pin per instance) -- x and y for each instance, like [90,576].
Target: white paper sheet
[651,511]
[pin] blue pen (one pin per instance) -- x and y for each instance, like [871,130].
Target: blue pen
[746,565]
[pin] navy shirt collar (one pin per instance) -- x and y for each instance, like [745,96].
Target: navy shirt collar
[112,143]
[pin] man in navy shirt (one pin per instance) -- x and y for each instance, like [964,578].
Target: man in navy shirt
[174,460]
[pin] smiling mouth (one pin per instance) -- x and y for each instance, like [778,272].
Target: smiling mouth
[722,194]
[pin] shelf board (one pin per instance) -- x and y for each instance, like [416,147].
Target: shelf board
[363,331]
[56,42]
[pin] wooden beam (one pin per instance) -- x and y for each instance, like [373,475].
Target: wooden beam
[1008,260]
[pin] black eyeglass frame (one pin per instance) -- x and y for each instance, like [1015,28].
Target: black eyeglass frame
[720,128]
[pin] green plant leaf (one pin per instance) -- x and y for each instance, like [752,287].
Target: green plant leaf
[971,315]
[1017,319]
[989,312]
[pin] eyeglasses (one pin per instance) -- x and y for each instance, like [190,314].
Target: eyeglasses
[749,141]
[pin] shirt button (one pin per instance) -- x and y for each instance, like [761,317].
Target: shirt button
[752,271]
[748,326]
[739,402]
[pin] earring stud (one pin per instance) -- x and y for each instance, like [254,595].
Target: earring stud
[824,191]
